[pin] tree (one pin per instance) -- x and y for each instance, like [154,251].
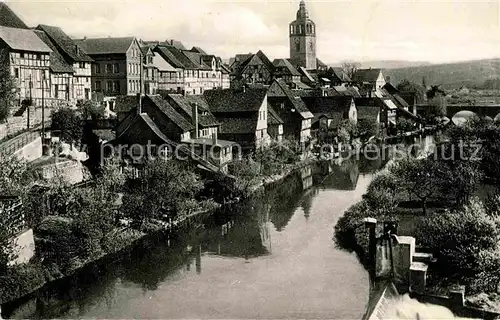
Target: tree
[465,242]
[350,67]
[420,177]
[405,125]
[437,101]
[163,188]
[15,176]
[406,86]
[68,122]
[7,87]
[367,128]
[90,109]
[382,195]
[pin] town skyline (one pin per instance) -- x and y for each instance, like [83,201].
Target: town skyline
[356,30]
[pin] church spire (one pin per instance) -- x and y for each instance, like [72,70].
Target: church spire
[302,13]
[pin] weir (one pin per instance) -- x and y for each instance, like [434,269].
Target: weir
[397,270]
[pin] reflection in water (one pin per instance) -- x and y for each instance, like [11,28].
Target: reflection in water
[409,309]
[269,257]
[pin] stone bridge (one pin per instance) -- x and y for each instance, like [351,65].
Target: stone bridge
[482,110]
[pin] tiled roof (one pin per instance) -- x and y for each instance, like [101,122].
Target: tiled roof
[257,59]
[265,60]
[181,57]
[340,74]
[294,99]
[229,100]
[210,142]
[169,56]
[184,103]
[326,105]
[9,19]
[23,39]
[65,44]
[320,64]
[125,103]
[273,117]
[106,45]
[161,64]
[238,125]
[366,75]
[306,74]
[284,67]
[196,59]
[170,112]
[301,85]
[347,91]
[57,62]
[368,112]
[198,50]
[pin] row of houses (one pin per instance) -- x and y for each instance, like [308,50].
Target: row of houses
[48,64]
[236,121]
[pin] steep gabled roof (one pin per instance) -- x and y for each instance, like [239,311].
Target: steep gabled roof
[196,60]
[340,74]
[198,50]
[265,60]
[284,67]
[306,74]
[368,113]
[23,39]
[280,89]
[180,57]
[65,44]
[229,100]
[246,125]
[169,56]
[9,19]
[330,105]
[366,75]
[161,64]
[57,62]
[184,103]
[273,116]
[106,45]
[170,112]
[320,64]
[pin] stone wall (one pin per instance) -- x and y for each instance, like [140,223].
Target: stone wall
[71,171]
[24,245]
[30,151]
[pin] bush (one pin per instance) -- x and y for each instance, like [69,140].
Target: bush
[21,280]
[466,245]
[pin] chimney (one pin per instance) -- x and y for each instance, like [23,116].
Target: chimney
[194,112]
[76,49]
[139,104]
[214,139]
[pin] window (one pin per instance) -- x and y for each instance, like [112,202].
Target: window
[97,68]
[116,86]
[22,54]
[297,46]
[16,73]
[130,85]
[116,68]
[98,86]
[261,75]
[109,68]
[38,56]
[82,65]
[110,86]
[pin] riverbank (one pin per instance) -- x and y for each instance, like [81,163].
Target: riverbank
[29,278]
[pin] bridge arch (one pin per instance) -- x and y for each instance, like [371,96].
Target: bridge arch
[497,118]
[461,117]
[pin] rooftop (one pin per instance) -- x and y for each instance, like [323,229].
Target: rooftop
[106,45]
[23,40]
[230,100]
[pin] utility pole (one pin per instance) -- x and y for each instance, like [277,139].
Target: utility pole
[140,81]
[43,105]
[31,101]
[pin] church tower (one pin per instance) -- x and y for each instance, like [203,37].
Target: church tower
[303,39]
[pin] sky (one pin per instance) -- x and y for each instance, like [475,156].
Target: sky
[361,30]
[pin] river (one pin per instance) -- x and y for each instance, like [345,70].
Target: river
[270,257]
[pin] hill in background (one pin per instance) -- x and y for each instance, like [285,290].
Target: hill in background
[450,75]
